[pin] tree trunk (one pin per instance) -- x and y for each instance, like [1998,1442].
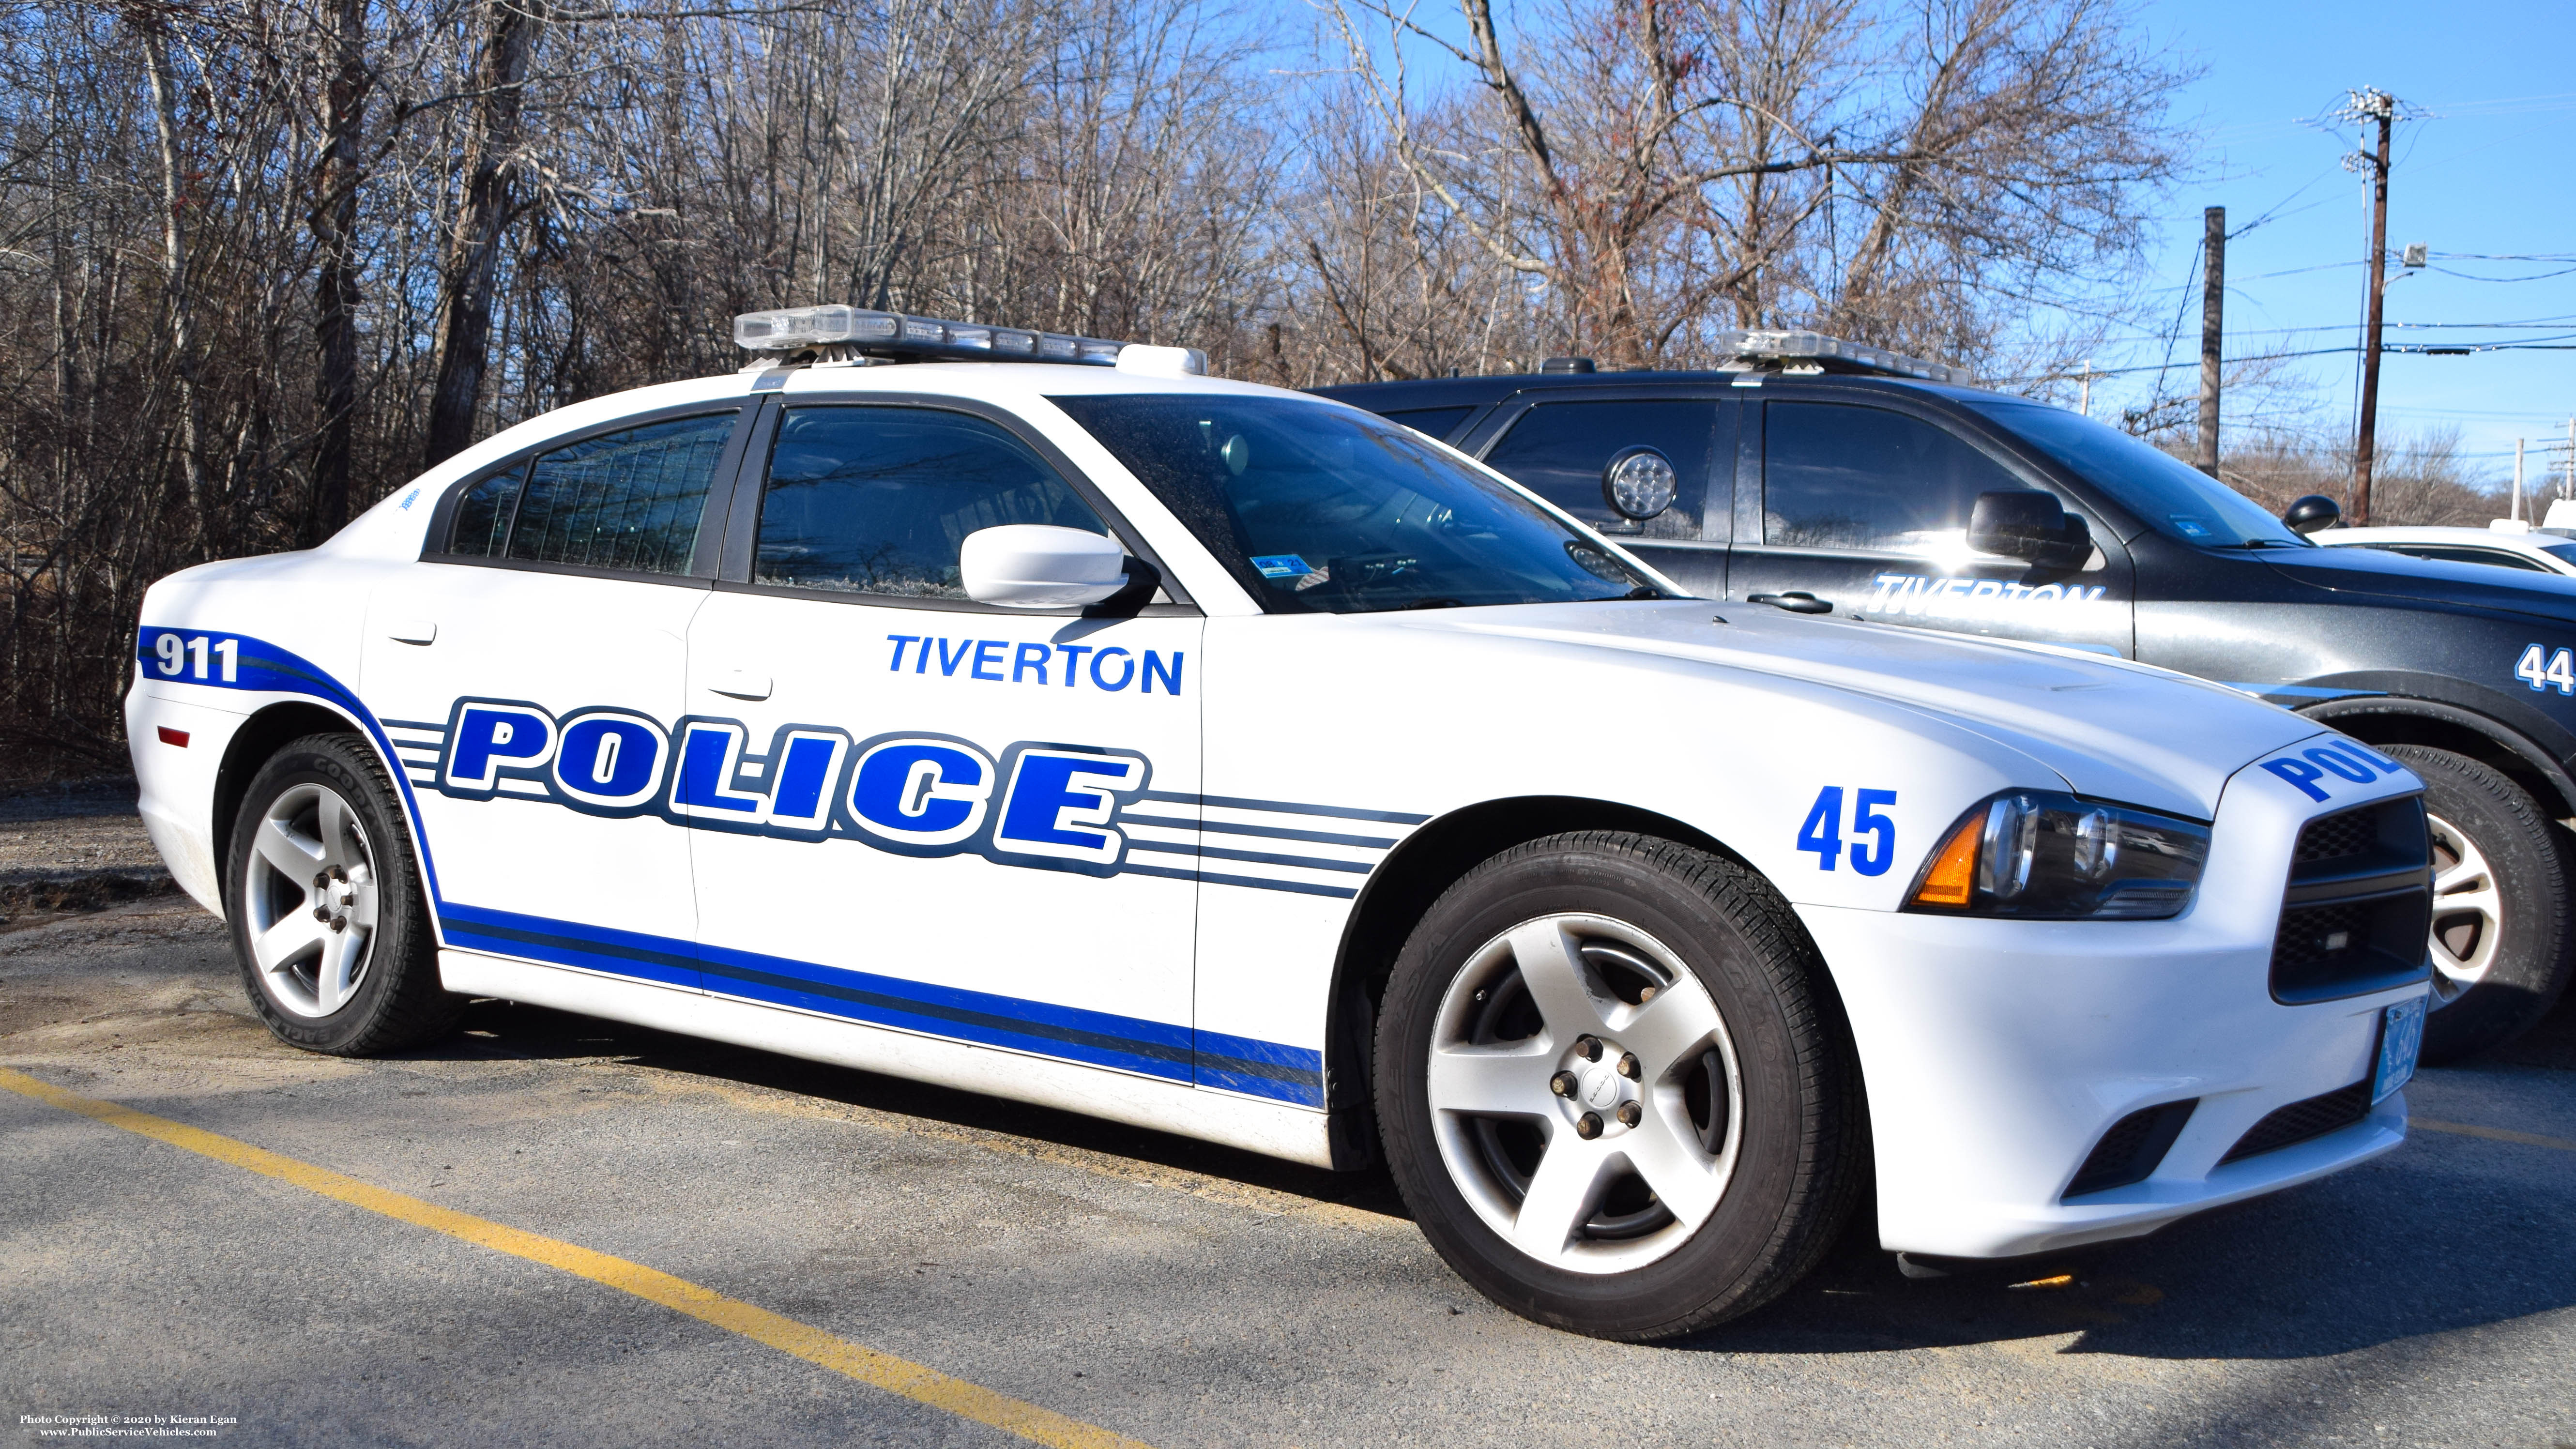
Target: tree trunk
[334,222]
[473,260]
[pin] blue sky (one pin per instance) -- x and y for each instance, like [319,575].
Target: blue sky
[2490,169]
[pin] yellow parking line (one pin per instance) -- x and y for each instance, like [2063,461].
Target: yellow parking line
[882,1370]
[2498,1134]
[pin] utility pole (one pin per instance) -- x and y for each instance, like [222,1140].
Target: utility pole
[2084,390]
[2377,105]
[2517,479]
[2213,303]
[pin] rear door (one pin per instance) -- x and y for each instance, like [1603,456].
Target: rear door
[527,669]
[1560,446]
[1864,505]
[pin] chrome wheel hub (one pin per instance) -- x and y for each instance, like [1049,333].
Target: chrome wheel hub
[2468,912]
[1584,1093]
[310,901]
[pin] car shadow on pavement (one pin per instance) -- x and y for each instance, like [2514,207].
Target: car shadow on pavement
[2365,1258]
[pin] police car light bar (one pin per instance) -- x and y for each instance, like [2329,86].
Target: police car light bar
[893,336]
[1815,352]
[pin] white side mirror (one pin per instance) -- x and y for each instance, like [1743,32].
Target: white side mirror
[1040,566]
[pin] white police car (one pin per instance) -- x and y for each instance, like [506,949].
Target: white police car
[1236,763]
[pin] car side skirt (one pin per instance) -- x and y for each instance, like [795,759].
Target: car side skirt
[1273,1130]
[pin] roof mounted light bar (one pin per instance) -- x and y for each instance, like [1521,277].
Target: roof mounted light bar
[898,338]
[1798,351]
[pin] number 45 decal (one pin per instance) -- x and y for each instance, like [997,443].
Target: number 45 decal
[1823,832]
[2560,671]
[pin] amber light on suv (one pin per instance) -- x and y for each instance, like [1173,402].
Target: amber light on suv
[2043,855]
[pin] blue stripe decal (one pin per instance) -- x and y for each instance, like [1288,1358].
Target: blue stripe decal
[1284,807]
[265,668]
[1094,1038]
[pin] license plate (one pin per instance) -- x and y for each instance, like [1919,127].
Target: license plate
[2401,1035]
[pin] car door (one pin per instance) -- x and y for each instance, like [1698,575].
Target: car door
[1865,507]
[527,668]
[919,812]
[1561,450]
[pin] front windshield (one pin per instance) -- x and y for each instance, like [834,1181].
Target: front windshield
[2167,494]
[1325,508]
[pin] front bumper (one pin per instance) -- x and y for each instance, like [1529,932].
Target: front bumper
[1997,1053]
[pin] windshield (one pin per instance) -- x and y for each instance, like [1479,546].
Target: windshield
[2166,493]
[1318,507]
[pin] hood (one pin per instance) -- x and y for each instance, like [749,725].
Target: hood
[2113,730]
[2381,574]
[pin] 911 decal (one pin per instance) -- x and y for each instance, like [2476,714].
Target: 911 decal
[2559,672]
[1038,804]
[1822,833]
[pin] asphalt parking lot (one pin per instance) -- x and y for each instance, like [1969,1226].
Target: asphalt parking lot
[1155,1288]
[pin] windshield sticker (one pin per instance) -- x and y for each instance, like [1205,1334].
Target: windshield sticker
[2191,527]
[1281,566]
[1914,596]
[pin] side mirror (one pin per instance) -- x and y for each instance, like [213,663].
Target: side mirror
[2312,513]
[2029,525]
[1040,566]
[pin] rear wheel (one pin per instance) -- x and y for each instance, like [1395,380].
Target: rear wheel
[2501,923]
[1613,1088]
[326,911]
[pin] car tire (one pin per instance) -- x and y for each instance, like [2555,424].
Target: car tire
[1616,1089]
[2501,921]
[328,919]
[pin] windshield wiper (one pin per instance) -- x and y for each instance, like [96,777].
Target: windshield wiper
[1433,604]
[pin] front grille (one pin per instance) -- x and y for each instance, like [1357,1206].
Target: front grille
[2359,909]
[2333,837]
[2300,1121]
[2130,1151]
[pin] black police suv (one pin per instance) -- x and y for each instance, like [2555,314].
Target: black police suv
[1827,487]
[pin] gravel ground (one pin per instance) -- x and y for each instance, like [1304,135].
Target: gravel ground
[1180,1293]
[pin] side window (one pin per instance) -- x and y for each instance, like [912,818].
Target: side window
[1864,478]
[629,500]
[878,500]
[1559,449]
[482,525]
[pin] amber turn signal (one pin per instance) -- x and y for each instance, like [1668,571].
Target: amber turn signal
[1954,869]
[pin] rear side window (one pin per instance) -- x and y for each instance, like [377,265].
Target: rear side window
[879,500]
[1558,450]
[629,501]
[1430,422]
[1864,478]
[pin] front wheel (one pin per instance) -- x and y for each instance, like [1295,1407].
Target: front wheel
[1614,1087]
[2501,924]
[326,911]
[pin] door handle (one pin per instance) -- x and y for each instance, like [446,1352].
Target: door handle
[740,684]
[1796,602]
[413,631]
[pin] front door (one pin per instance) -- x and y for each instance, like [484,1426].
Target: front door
[919,812]
[1866,508]
[527,670]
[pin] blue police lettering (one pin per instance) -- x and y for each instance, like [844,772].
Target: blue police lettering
[921,792]
[1111,670]
[609,759]
[1060,804]
[701,782]
[487,735]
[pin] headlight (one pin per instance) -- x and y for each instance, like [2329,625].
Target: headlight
[2043,855]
